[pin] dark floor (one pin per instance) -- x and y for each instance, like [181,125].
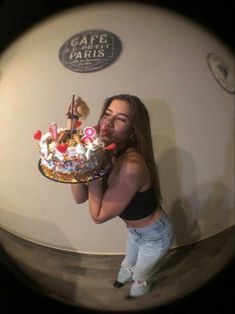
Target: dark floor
[217,296]
[85,280]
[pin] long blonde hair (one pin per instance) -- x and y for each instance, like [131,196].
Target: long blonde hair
[142,139]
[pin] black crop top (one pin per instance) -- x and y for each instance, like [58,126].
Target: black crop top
[142,205]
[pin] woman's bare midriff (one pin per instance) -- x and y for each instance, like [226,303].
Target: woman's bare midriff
[145,221]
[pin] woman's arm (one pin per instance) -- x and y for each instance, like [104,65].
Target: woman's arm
[80,192]
[95,196]
[124,185]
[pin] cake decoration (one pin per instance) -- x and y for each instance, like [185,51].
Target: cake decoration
[73,154]
[37,134]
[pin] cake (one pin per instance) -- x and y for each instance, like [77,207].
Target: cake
[73,154]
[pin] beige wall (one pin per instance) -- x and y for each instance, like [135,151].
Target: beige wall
[164,63]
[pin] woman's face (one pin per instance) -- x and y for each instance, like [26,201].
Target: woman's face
[115,125]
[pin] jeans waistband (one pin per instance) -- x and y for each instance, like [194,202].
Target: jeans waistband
[161,220]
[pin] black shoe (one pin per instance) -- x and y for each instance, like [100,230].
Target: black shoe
[118,284]
[129,297]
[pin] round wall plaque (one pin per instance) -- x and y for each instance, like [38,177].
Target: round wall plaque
[90,51]
[223,73]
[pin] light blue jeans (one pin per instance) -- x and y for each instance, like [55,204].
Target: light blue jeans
[145,248]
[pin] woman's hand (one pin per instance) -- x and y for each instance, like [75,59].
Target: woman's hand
[80,192]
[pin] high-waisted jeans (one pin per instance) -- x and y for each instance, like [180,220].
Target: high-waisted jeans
[145,249]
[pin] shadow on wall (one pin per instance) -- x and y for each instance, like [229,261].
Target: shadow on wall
[216,206]
[218,196]
[29,228]
[176,168]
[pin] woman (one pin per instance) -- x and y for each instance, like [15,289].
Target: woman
[131,191]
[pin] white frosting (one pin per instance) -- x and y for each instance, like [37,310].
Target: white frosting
[80,149]
[80,157]
[45,137]
[44,150]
